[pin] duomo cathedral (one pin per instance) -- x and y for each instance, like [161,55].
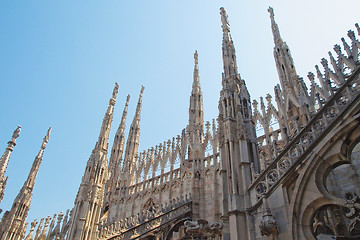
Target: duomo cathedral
[221,179]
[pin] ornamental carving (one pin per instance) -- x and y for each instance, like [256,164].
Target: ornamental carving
[338,221]
[202,229]
[268,224]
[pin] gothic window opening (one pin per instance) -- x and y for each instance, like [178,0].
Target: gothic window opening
[341,220]
[209,149]
[187,153]
[347,71]
[158,170]
[259,128]
[149,174]
[345,178]
[331,222]
[225,108]
[177,161]
[167,167]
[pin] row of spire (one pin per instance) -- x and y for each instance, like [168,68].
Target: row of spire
[13,223]
[102,175]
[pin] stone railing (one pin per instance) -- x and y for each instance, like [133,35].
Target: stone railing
[155,181]
[211,161]
[322,122]
[146,221]
[167,156]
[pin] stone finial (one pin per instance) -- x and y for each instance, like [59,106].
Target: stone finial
[30,236]
[207,125]
[331,57]
[255,104]
[311,77]
[351,35]
[324,62]
[337,49]
[168,143]
[214,126]
[268,98]
[357,28]
[262,105]
[346,47]
[178,138]
[318,72]
[173,144]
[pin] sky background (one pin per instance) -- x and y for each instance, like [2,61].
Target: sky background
[60,60]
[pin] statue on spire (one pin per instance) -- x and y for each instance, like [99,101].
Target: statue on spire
[116,90]
[271,11]
[196,57]
[4,161]
[16,134]
[46,139]
[274,27]
[224,19]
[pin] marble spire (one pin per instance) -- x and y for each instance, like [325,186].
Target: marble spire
[13,223]
[4,161]
[196,114]
[90,197]
[103,142]
[133,142]
[229,56]
[117,153]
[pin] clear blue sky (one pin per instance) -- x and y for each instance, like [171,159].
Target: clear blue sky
[60,59]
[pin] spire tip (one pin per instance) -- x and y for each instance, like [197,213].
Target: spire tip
[46,139]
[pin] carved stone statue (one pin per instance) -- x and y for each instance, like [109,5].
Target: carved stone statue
[268,224]
[193,226]
[16,134]
[224,19]
[201,228]
[196,57]
[46,139]
[116,90]
[271,11]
